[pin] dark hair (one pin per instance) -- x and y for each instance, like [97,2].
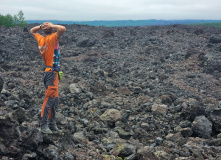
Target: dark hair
[48,31]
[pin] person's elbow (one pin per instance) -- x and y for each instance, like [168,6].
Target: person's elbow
[63,28]
[32,31]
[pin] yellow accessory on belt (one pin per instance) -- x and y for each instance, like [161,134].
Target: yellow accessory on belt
[60,74]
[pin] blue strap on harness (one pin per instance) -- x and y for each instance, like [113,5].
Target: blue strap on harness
[53,69]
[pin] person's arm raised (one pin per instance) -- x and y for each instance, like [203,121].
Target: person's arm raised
[35,29]
[60,30]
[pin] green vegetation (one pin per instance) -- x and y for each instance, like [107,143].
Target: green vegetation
[217,25]
[12,21]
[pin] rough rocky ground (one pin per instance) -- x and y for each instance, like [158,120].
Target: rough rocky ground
[133,93]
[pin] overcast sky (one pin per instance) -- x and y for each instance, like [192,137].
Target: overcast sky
[88,10]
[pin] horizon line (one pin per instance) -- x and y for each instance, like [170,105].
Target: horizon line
[126,20]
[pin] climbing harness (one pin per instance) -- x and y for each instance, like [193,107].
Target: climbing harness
[60,73]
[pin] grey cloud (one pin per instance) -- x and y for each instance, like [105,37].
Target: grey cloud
[114,9]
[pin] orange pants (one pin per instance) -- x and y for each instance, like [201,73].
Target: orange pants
[51,99]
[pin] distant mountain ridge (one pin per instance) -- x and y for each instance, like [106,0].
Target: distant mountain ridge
[120,23]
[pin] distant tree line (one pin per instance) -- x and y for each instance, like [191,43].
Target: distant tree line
[217,25]
[12,21]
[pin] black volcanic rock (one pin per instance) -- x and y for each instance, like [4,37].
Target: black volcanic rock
[215,40]
[163,82]
[212,62]
[216,118]
[1,83]
[202,127]
[85,42]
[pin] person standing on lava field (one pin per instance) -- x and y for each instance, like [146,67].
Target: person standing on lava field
[49,49]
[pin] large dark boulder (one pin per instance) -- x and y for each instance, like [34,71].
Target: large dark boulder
[192,110]
[215,40]
[1,83]
[216,119]
[85,42]
[202,127]
[212,62]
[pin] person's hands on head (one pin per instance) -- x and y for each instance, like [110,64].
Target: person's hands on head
[47,27]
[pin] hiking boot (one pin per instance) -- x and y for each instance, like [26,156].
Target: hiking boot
[46,130]
[55,129]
